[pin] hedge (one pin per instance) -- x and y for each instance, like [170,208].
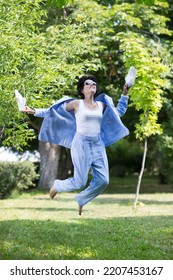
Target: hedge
[16,176]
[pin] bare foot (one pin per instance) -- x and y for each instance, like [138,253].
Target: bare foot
[80,210]
[52,193]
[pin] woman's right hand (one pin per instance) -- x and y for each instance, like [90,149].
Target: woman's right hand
[28,110]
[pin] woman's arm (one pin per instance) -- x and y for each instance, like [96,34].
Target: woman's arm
[125,89]
[28,110]
[72,105]
[123,102]
[36,112]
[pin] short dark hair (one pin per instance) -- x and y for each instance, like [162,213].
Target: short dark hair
[81,82]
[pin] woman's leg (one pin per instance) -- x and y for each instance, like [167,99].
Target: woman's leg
[100,174]
[81,162]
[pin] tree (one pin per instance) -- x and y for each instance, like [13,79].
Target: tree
[145,54]
[43,53]
[40,64]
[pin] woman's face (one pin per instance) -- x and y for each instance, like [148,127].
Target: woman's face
[90,87]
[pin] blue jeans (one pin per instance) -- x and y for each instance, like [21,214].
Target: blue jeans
[86,152]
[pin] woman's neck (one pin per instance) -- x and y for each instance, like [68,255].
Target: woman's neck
[90,103]
[89,99]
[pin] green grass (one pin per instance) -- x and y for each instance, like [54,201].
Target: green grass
[34,227]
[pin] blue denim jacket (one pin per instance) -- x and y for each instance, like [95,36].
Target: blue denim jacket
[59,125]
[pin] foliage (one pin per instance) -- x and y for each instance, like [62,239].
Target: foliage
[124,158]
[41,62]
[16,176]
[45,48]
[144,50]
[163,151]
[19,55]
[41,65]
[59,3]
[146,2]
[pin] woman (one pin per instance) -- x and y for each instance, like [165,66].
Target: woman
[86,126]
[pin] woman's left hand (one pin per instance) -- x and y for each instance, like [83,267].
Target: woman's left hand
[125,89]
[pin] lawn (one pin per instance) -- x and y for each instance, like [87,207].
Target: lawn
[34,227]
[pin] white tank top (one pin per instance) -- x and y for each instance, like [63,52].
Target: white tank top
[88,121]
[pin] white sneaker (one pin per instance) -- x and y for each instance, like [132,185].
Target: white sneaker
[131,76]
[21,101]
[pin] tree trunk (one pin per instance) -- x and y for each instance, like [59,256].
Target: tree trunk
[1,133]
[65,167]
[141,172]
[49,161]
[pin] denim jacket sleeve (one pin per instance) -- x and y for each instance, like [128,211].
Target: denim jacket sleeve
[122,105]
[41,112]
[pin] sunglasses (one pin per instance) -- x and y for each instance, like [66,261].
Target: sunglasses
[90,83]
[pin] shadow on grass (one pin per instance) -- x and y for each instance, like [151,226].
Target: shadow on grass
[51,209]
[112,200]
[118,238]
[100,200]
[124,201]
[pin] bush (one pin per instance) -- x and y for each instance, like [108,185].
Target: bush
[118,170]
[124,158]
[164,156]
[16,176]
